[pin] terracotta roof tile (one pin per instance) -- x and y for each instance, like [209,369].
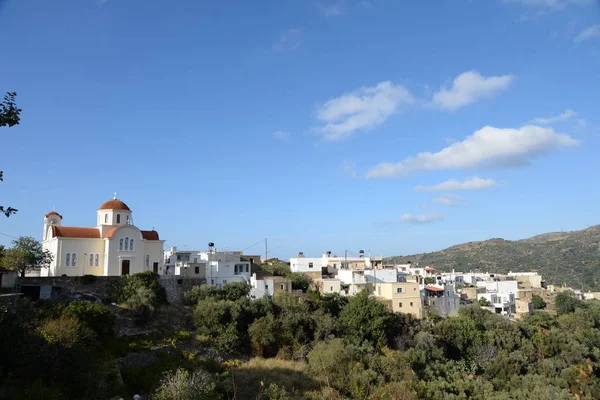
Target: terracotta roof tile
[53,213]
[111,232]
[150,235]
[76,232]
[434,288]
[114,204]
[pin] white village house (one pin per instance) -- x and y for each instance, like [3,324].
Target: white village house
[113,247]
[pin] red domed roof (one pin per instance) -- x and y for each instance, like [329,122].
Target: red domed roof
[53,213]
[114,204]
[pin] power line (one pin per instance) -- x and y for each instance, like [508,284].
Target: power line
[260,241]
[4,234]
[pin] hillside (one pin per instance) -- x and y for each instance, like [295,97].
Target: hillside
[572,258]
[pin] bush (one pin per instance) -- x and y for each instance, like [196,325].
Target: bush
[96,316]
[483,302]
[142,302]
[299,281]
[66,332]
[235,291]
[184,385]
[538,302]
[201,292]
[127,285]
[566,302]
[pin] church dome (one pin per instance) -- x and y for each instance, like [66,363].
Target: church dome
[53,213]
[114,204]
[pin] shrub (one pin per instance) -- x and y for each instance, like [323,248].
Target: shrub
[483,302]
[184,385]
[299,281]
[201,292]
[538,302]
[142,302]
[127,285]
[66,332]
[96,316]
[235,291]
[567,302]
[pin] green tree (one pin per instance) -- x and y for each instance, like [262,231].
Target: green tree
[429,280]
[25,254]
[538,302]
[566,302]
[9,116]
[235,291]
[299,281]
[483,302]
[262,333]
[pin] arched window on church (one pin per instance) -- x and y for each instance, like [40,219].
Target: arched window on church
[147,260]
[91,260]
[126,244]
[68,260]
[105,218]
[121,244]
[96,261]
[118,218]
[74,260]
[128,220]
[131,245]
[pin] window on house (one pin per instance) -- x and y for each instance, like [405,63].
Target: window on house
[68,260]
[224,281]
[399,290]
[178,257]
[310,265]
[197,270]
[73,259]
[411,303]
[126,243]
[195,260]
[282,287]
[131,244]
[266,288]
[121,244]
[212,281]
[96,260]
[331,288]
[147,260]
[91,260]
[118,218]
[246,267]
[400,304]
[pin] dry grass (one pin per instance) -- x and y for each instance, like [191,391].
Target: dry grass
[292,375]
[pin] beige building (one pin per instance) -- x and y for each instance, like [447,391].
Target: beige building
[470,293]
[523,308]
[265,284]
[328,286]
[405,297]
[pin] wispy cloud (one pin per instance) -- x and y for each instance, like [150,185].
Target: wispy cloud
[487,147]
[361,109]
[289,40]
[334,9]
[551,4]
[469,87]
[561,117]
[350,168]
[592,32]
[421,218]
[449,199]
[475,183]
[282,135]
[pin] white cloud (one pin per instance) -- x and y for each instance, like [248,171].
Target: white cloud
[421,218]
[282,135]
[350,168]
[361,109]
[289,40]
[452,184]
[487,147]
[469,87]
[449,199]
[554,4]
[592,32]
[333,9]
[561,117]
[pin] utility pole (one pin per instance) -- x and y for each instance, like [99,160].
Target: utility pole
[345,258]
[266,250]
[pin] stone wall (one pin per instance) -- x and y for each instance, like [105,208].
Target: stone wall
[176,286]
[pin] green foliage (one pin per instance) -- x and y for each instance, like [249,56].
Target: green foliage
[128,285]
[66,332]
[201,292]
[97,317]
[142,302]
[566,302]
[429,280]
[483,302]
[262,333]
[277,269]
[9,116]
[25,254]
[235,291]
[538,302]
[185,385]
[299,281]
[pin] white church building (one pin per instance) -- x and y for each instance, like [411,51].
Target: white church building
[113,247]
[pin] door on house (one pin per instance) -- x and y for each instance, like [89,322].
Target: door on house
[155,268]
[125,267]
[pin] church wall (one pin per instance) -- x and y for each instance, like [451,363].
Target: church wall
[116,256]
[82,248]
[154,249]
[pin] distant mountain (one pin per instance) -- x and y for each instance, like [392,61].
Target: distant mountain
[572,258]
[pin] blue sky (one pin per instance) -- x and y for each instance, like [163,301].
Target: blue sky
[395,127]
